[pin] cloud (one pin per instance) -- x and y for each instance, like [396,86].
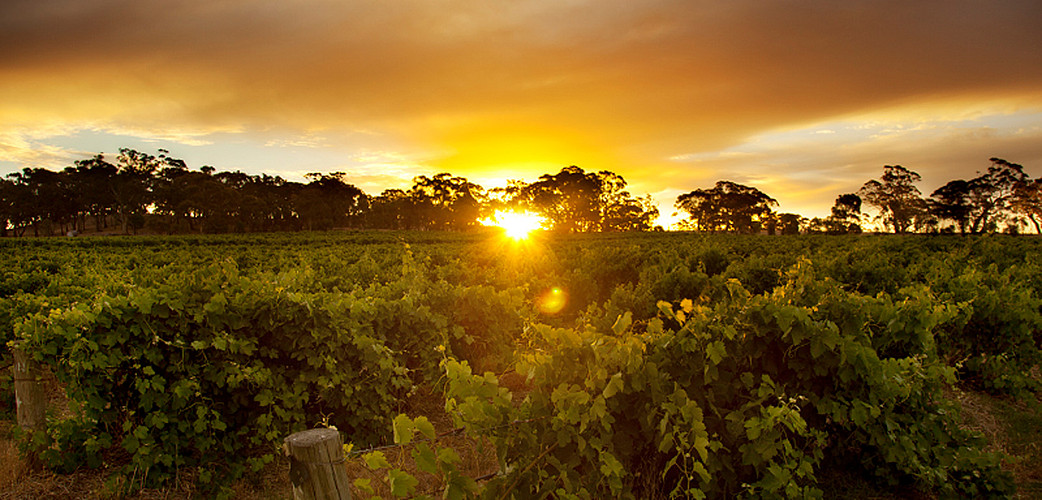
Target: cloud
[652,89]
[805,170]
[20,153]
[652,66]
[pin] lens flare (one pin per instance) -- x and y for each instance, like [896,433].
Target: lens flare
[552,301]
[517,225]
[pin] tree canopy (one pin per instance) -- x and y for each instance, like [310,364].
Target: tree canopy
[727,207]
[574,200]
[899,202]
[138,190]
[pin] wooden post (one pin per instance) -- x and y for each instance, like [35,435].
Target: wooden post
[316,465]
[30,398]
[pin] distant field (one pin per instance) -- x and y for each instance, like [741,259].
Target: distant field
[645,364]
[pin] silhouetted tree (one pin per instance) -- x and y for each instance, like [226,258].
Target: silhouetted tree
[846,215]
[620,210]
[392,209]
[979,204]
[569,199]
[132,186]
[162,192]
[1027,201]
[728,207]
[895,196]
[13,203]
[447,202]
[328,201]
[45,199]
[574,200]
[952,202]
[95,177]
[790,223]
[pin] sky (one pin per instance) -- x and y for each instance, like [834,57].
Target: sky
[802,99]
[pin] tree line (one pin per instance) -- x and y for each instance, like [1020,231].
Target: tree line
[160,193]
[1001,198]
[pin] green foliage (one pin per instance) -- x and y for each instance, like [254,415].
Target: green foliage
[747,396]
[432,459]
[212,367]
[685,365]
[997,338]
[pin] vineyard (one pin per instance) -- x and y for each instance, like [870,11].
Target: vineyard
[647,365]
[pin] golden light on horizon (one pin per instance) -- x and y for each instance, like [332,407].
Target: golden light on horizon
[518,225]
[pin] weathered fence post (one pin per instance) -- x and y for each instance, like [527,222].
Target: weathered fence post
[316,465]
[30,398]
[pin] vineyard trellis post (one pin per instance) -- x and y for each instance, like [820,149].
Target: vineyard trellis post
[317,470]
[30,397]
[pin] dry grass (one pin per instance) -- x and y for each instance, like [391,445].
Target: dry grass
[12,467]
[477,459]
[1011,427]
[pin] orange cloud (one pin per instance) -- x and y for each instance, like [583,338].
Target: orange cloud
[523,87]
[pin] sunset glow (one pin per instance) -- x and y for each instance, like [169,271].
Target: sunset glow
[802,100]
[517,225]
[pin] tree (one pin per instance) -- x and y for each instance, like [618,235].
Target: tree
[790,223]
[327,201]
[132,186]
[952,202]
[574,200]
[11,205]
[392,209]
[990,192]
[569,199]
[979,204]
[728,207]
[507,198]
[816,225]
[620,210]
[846,215]
[447,202]
[630,214]
[266,204]
[784,223]
[1027,201]
[895,196]
[94,178]
[46,200]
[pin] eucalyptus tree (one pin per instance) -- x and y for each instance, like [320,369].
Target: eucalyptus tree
[132,186]
[1027,201]
[94,177]
[979,204]
[727,207]
[447,201]
[899,202]
[846,215]
[328,201]
[569,199]
[574,200]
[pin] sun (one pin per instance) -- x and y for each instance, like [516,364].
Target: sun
[517,225]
